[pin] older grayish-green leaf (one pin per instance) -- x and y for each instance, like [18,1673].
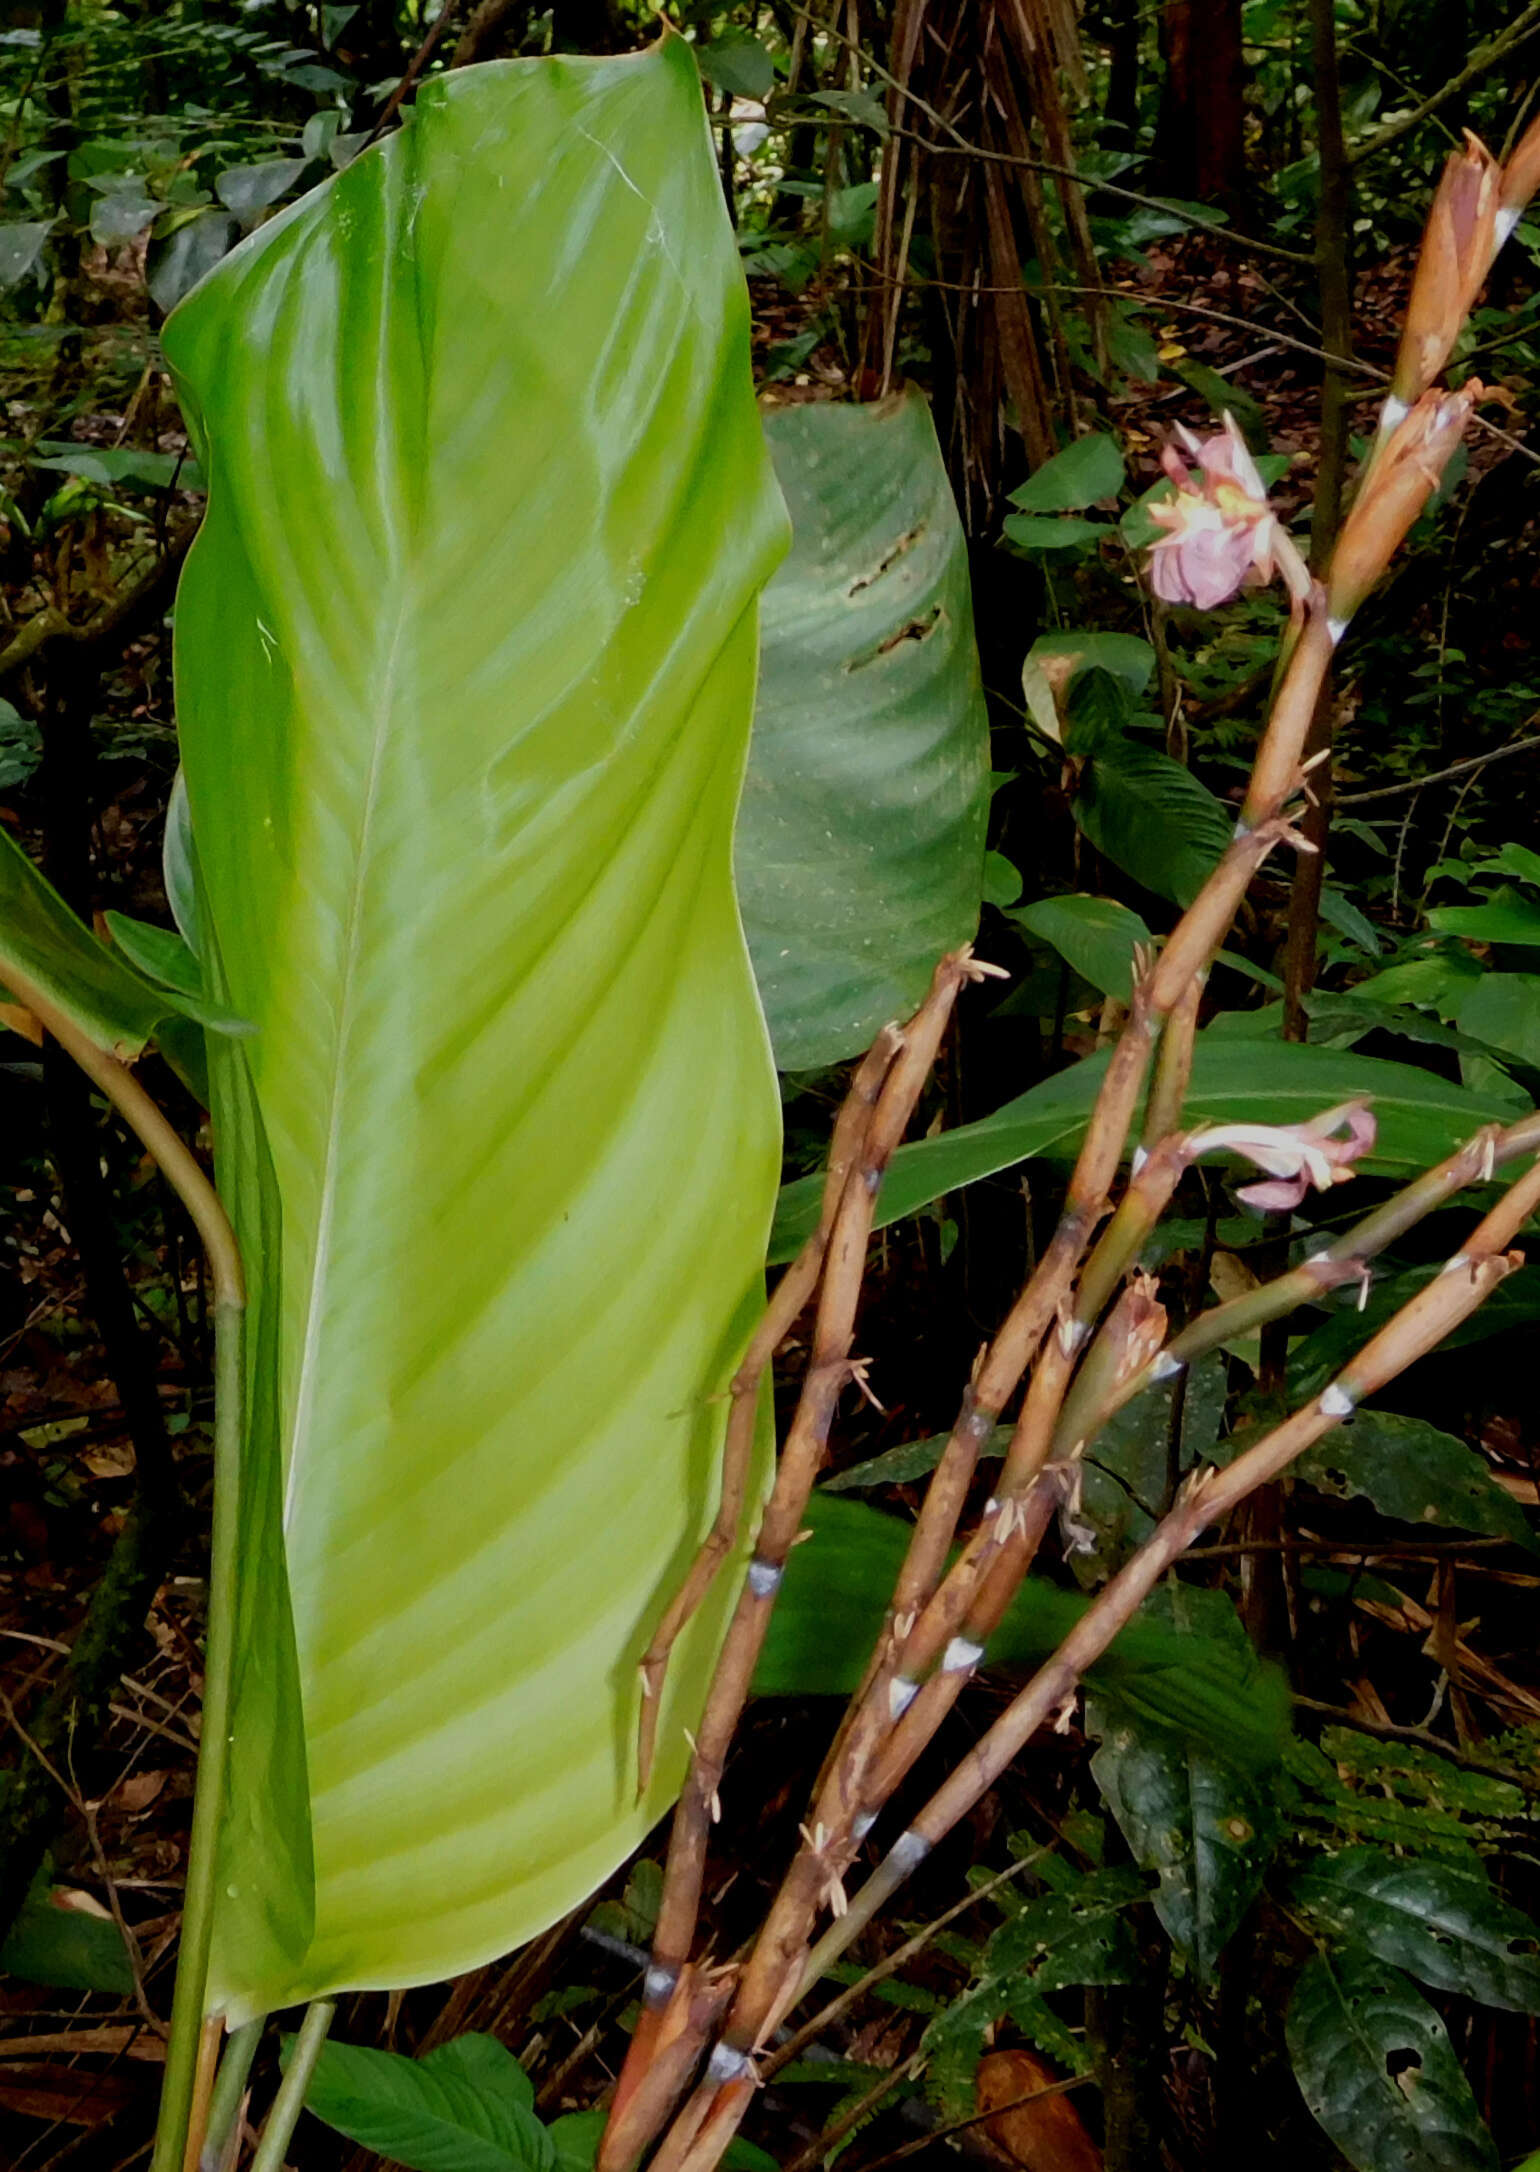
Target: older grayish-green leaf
[860,843]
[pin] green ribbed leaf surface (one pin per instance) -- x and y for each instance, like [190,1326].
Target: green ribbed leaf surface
[466,657]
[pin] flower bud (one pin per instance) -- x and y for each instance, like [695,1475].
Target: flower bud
[1458,245]
[1402,478]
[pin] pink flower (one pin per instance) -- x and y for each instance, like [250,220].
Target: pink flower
[1295,1156]
[1222,531]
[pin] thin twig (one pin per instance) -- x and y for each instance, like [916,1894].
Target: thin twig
[1518,31]
[1440,776]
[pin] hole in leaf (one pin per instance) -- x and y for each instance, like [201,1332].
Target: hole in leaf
[1403,2060]
[917,629]
[904,544]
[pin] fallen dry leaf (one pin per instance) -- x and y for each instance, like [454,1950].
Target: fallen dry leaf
[1046,2135]
[138,1791]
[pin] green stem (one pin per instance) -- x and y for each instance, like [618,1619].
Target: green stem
[229,2089]
[176,2104]
[290,2100]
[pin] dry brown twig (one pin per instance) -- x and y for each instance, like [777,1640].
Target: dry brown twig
[1083,1348]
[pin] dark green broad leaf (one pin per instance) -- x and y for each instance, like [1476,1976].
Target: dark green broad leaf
[738,63]
[1339,912]
[575,2137]
[1421,1119]
[123,216]
[1512,859]
[466,2107]
[179,259]
[1151,817]
[57,1943]
[1509,917]
[1095,935]
[1503,1010]
[249,190]
[117,466]
[1375,2065]
[911,1459]
[42,943]
[21,245]
[1084,473]
[1075,1934]
[1321,1356]
[1131,1466]
[21,747]
[1204,1683]
[1439,1920]
[1128,657]
[1203,1822]
[860,839]
[1032,533]
[1415,1473]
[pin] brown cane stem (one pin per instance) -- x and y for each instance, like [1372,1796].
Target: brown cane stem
[1467,1280]
[792,1292]
[829,1371]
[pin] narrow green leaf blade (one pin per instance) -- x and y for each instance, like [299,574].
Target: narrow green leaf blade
[466,653]
[1374,2064]
[1421,1119]
[860,844]
[42,942]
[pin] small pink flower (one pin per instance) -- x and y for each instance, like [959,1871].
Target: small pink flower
[1222,531]
[1295,1156]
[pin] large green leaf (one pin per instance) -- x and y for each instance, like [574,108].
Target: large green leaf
[1438,1920]
[1375,2065]
[860,849]
[1421,1119]
[466,653]
[1178,1680]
